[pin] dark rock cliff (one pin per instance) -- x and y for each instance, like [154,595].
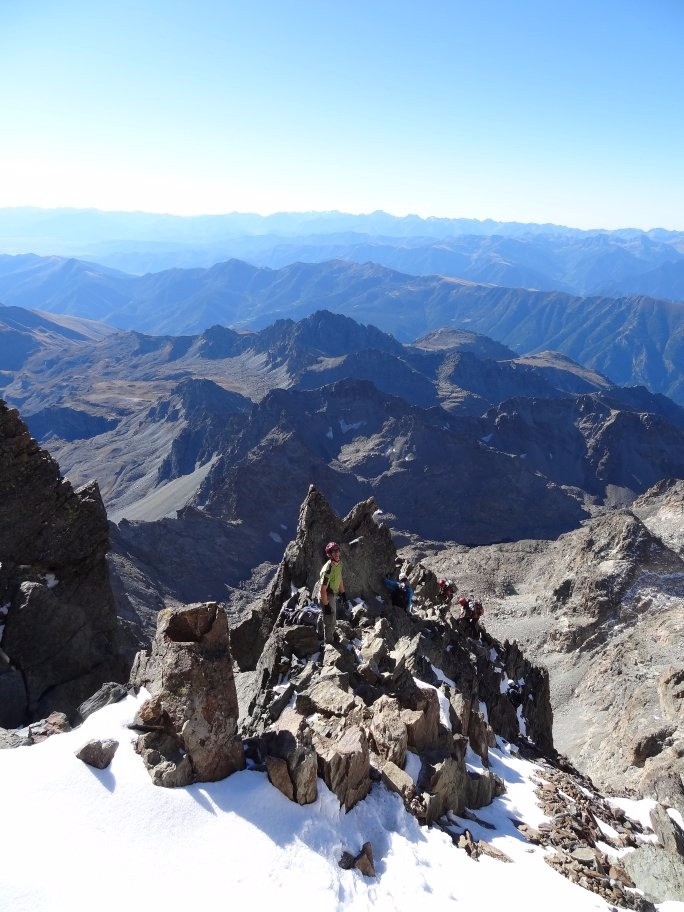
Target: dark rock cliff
[60,637]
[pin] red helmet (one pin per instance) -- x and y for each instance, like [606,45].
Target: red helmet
[331,547]
[463,601]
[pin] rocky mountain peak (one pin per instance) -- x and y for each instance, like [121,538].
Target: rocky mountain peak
[221,342]
[446,339]
[323,334]
[199,399]
[396,678]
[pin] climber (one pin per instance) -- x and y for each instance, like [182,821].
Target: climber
[331,589]
[470,618]
[401,592]
[447,590]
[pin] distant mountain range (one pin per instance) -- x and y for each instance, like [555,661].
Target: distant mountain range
[218,420]
[631,340]
[543,257]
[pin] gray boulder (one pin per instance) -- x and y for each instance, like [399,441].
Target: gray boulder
[193,710]
[291,762]
[109,693]
[98,753]
[658,873]
[344,765]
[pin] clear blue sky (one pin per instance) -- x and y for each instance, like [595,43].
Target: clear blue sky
[565,111]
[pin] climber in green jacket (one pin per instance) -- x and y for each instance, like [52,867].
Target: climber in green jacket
[331,589]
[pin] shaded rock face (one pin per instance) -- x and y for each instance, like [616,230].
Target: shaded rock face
[394,682]
[591,441]
[291,762]
[190,722]
[350,438]
[61,639]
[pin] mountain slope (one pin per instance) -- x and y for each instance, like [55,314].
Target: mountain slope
[629,339]
[602,608]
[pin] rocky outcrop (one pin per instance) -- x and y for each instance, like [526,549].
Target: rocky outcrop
[661,509]
[189,724]
[658,869]
[602,609]
[395,683]
[367,552]
[59,635]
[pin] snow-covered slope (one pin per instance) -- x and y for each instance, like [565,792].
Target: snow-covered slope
[76,838]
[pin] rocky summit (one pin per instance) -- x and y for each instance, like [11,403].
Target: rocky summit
[395,679]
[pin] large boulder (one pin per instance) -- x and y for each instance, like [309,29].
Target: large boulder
[190,721]
[291,762]
[61,638]
[344,765]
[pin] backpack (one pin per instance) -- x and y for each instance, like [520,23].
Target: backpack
[308,615]
[400,596]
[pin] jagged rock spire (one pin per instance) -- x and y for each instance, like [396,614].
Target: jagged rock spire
[368,553]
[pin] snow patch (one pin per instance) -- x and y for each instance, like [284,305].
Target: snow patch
[639,810]
[522,724]
[412,765]
[121,826]
[473,761]
[441,676]
[350,427]
[676,816]
[443,702]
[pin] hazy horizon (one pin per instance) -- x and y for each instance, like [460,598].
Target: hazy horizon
[330,212]
[531,112]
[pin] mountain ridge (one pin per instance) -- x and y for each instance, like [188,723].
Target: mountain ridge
[629,339]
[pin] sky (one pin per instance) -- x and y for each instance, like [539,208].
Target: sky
[533,111]
[77,838]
